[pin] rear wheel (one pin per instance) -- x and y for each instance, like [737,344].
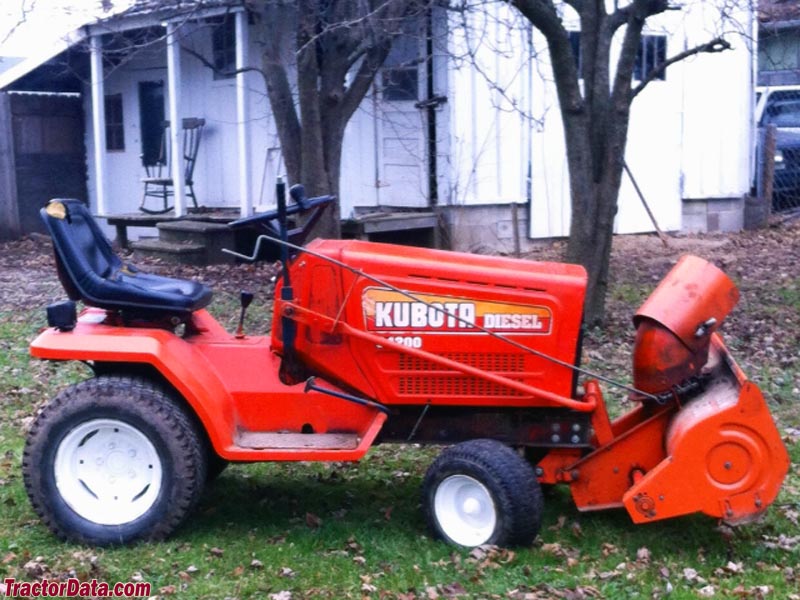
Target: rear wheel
[112,460]
[482,492]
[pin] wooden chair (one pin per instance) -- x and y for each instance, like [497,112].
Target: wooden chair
[158,182]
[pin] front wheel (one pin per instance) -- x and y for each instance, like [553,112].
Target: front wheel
[112,460]
[482,492]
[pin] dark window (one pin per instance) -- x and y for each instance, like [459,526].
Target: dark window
[115,126]
[400,84]
[400,79]
[652,53]
[223,44]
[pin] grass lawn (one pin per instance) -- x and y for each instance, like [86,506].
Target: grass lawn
[353,530]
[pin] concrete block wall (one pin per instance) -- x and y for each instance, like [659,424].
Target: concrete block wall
[488,228]
[713,214]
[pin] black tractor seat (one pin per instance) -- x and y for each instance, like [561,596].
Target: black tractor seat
[90,271]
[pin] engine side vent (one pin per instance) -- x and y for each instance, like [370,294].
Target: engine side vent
[452,386]
[495,363]
[456,384]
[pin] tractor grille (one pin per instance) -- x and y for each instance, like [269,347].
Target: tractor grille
[495,363]
[424,383]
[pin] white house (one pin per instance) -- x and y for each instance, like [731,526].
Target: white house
[474,131]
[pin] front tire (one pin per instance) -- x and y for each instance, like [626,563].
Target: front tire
[112,460]
[482,492]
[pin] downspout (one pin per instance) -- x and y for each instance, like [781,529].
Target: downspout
[432,103]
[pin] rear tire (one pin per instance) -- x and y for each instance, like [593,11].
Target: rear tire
[112,460]
[482,492]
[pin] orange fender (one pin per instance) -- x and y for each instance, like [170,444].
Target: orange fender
[179,361]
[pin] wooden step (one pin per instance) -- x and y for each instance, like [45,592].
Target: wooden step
[186,254]
[212,236]
[193,231]
[289,441]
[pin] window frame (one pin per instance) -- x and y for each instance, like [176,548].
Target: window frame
[652,52]
[223,47]
[115,122]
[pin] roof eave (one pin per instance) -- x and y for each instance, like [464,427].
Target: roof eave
[37,59]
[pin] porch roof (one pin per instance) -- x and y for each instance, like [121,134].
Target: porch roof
[44,54]
[142,13]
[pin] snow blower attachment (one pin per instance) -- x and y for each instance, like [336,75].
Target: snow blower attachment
[374,343]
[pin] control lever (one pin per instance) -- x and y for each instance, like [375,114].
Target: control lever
[245,298]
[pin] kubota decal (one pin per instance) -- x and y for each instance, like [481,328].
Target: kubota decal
[388,311]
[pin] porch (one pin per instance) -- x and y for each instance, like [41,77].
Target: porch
[199,236]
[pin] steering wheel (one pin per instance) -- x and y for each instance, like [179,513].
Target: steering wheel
[301,205]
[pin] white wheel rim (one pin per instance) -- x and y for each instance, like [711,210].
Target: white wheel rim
[107,471]
[465,510]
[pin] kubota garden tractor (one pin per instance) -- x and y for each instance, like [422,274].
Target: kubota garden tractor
[374,343]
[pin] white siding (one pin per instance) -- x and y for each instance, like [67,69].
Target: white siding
[490,93]
[718,107]
[688,135]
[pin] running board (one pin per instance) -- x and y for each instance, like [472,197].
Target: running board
[297,441]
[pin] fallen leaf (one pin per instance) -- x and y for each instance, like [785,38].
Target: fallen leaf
[576,529]
[286,572]
[559,524]
[35,568]
[452,590]
[256,564]
[313,521]
[218,552]
[707,591]
[608,549]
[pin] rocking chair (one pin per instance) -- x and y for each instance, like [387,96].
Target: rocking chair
[158,182]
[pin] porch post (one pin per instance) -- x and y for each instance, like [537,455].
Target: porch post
[98,123]
[242,115]
[175,129]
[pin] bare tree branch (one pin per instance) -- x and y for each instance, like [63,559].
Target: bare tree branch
[25,10]
[712,47]
[542,14]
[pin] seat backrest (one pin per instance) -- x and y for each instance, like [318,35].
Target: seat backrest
[83,253]
[156,166]
[192,132]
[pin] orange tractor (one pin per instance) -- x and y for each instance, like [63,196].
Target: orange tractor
[374,343]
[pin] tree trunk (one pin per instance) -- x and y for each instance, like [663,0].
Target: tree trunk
[339,47]
[595,179]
